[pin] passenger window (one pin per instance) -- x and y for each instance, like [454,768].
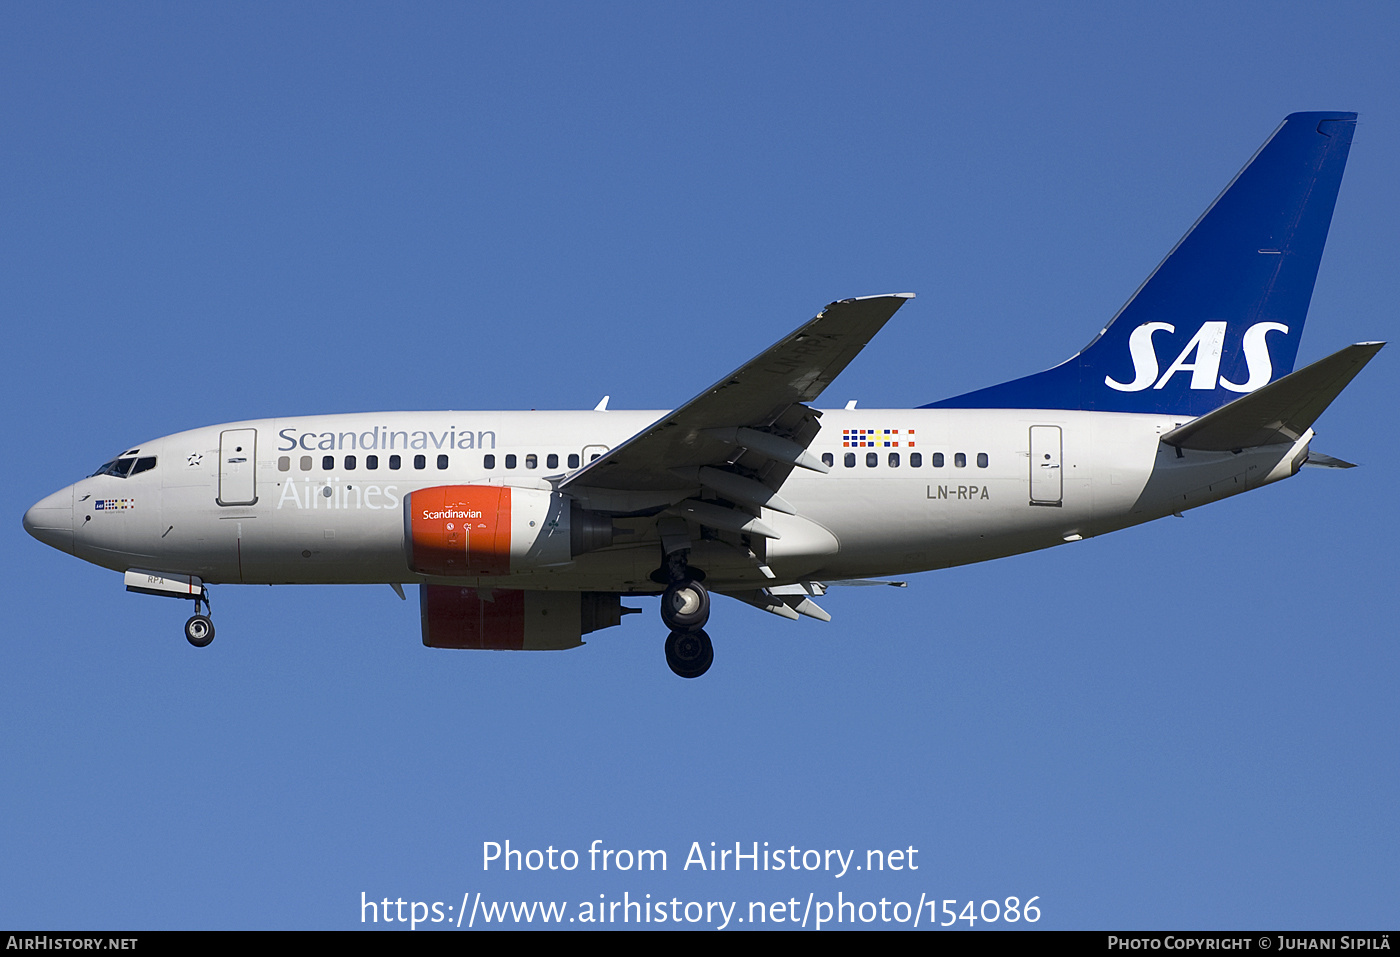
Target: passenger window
[960,460]
[442,462]
[594,456]
[573,460]
[916,459]
[828,459]
[894,460]
[327,462]
[981,460]
[938,460]
[306,463]
[488,461]
[420,461]
[284,463]
[349,462]
[532,461]
[371,462]
[510,461]
[552,462]
[850,460]
[395,461]
[872,459]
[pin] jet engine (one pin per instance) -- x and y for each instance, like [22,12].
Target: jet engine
[465,531]
[510,619]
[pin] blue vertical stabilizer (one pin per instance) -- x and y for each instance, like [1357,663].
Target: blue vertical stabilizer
[1223,314]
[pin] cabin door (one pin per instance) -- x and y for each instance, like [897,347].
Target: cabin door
[1047,478]
[237,463]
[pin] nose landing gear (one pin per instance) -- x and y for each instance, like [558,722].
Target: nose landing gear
[199,630]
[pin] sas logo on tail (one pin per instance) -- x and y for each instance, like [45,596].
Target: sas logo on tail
[1200,357]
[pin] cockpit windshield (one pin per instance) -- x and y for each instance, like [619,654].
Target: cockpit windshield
[127,467]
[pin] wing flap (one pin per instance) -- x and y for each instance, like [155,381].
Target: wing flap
[789,604]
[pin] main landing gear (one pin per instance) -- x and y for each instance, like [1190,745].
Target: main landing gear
[685,608]
[689,653]
[199,630]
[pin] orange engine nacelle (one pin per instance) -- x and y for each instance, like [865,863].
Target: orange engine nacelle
[468,531]
[459,530]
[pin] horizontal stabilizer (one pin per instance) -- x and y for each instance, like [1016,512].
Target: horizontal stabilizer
[1317,460]
[1280,412]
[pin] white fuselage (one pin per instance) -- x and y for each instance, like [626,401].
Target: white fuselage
[321,498]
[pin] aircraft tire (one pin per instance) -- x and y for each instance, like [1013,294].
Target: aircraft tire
[199,630]
[685,606]
[689,653]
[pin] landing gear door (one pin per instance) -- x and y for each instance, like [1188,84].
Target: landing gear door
[237,461]
[1047,478]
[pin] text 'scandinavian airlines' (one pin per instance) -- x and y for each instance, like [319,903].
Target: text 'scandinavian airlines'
[527,530]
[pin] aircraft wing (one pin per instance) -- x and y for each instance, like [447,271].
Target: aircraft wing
[743,435]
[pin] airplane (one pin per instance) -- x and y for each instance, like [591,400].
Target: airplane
[528,530]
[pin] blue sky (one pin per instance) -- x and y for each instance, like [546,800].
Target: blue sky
[219,212]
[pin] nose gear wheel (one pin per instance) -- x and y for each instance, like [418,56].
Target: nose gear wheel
[199,630]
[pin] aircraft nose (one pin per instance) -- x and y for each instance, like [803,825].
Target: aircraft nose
[50,520]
